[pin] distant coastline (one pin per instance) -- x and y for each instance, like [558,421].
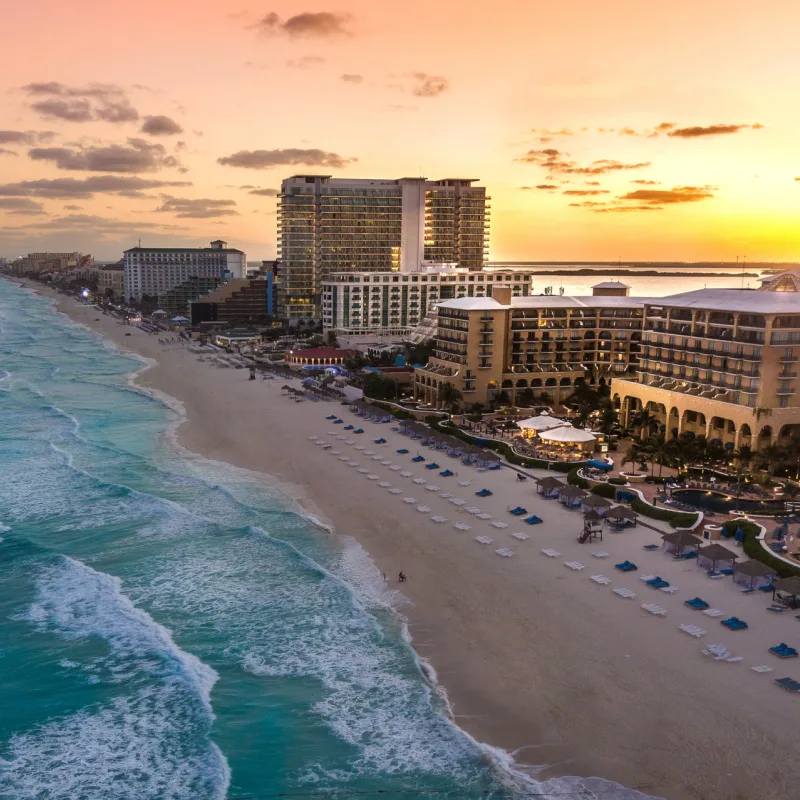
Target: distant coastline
[640,273]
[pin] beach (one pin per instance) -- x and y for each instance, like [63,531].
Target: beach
[535,658]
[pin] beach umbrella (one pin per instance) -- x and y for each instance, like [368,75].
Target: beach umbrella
[179,319]
[567,435]
[159,313]
[541,422]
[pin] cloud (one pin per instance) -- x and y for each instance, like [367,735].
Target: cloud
[627,132]
[264,192]
[546,186]
[292,156]
[308,25]
[585,192]
[592,183]
[428,85]
[587,204]
[624,209]
[82,188]
[89,222]
[25,137]
[73,208]
[351,78]
[697,131]
[680,194]
[646,183]
[665,126]
[305,62]
[138,155]
[95,102]
[200,208]
[558,163]
[547,132]
[20,206]
[6,152]
[159,125]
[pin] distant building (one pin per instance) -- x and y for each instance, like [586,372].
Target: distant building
[235,302]
[153,271]
[390,304]
[35,263]
[611,289]
[333,225]
[788,281]
[111,280]
[319,357]
[177,301]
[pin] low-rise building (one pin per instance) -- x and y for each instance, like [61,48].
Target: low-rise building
[393,304]
[35,263]
[319,357]
[111,280]
[236,301]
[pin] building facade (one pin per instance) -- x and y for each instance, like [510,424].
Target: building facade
[390,304]
[235,302]
[329,225]
[177,302]
[153,271]
[111,280]
[35,263]
[537,345]
[719,363]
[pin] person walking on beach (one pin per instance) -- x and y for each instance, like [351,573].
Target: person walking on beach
[402,577]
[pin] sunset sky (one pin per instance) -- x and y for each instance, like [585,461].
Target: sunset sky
[603,130]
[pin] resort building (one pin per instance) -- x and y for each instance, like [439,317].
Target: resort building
[719,363]
[111,280]
[537,345]
[332,225]
[319,357]
[153,271]
[178,300]
[391,305]
[35,263]
[235,302]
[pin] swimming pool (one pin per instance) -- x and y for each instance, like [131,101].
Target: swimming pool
[725,503]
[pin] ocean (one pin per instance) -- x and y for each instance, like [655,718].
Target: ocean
[171,629]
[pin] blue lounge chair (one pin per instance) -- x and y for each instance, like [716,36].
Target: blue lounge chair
[783,650]
[650,547]
[776,608]
[402,451]
[533,520]
[359,430]
[519,511]
[417,459]
[626,566]
[768,588]
[496,465]
[331,416]
[696,603]
[735,624]
[448,473]
[484,493]
[380,441]
[338,422]
[657,583]
[349,427]
[432,465]
[790,684]
[727,571]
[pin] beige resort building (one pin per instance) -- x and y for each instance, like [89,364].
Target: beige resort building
[720,363]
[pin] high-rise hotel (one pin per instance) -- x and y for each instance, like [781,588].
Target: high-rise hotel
[330,225]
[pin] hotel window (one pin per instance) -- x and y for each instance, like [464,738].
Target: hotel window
[783,401]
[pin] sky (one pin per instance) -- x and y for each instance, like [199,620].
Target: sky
[602,130]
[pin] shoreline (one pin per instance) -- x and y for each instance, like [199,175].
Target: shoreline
[507,641]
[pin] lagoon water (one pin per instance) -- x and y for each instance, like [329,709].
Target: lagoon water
[170,629]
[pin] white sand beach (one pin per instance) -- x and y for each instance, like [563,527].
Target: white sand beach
[536,658]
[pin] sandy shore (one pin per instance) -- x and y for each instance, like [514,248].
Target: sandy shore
[535,657]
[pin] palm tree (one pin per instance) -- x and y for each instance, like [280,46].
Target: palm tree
[644,420]
[449,397]
[658,450]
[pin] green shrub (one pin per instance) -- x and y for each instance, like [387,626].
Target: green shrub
[753,548]
[604,490]
[573,479]
[677,519]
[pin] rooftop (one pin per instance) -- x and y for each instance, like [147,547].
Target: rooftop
[546,301]
[183,250]
[611,285]
[733,300]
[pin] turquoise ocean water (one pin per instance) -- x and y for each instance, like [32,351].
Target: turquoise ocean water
[171,630]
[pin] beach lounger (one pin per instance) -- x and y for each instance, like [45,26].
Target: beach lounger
[601,579]
[763,668]
[657,611]
[650,547]
[349,427]
[483,515]
[576,565]
[438,518]
[625,593]
[484,493]
[783,650]
[456,501]
[380,441]
[498,524]
[448,473]
[405,474]
[484,539]
[776,609]
[313,438]
[712,612]
[657,583]
[423,509]
[386,463]
[402,451]
[626,566]
[353,463]
[734,624]
[668,589]
[385,485]
[646,578]
[601,554]
[432,487]
[335,452]
[748,591]
[351,442]
[505,552]
[768,588]
[464,483]
[550,553]
[410,500]
[372,477]
[727,571]
[692,630]
[380,458]
[432,465]
[714,575]
[697,603]
[369,453]
[420,481]
[533,520]
[461,526]
[338,421]
[359,430]
[395,491]
[523,537]
[472,510]
[790,684]
[417,459]
[519,511]
[331,416]
[360,448]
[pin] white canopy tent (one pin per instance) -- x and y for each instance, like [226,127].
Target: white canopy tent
[567,434]
[542,422]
